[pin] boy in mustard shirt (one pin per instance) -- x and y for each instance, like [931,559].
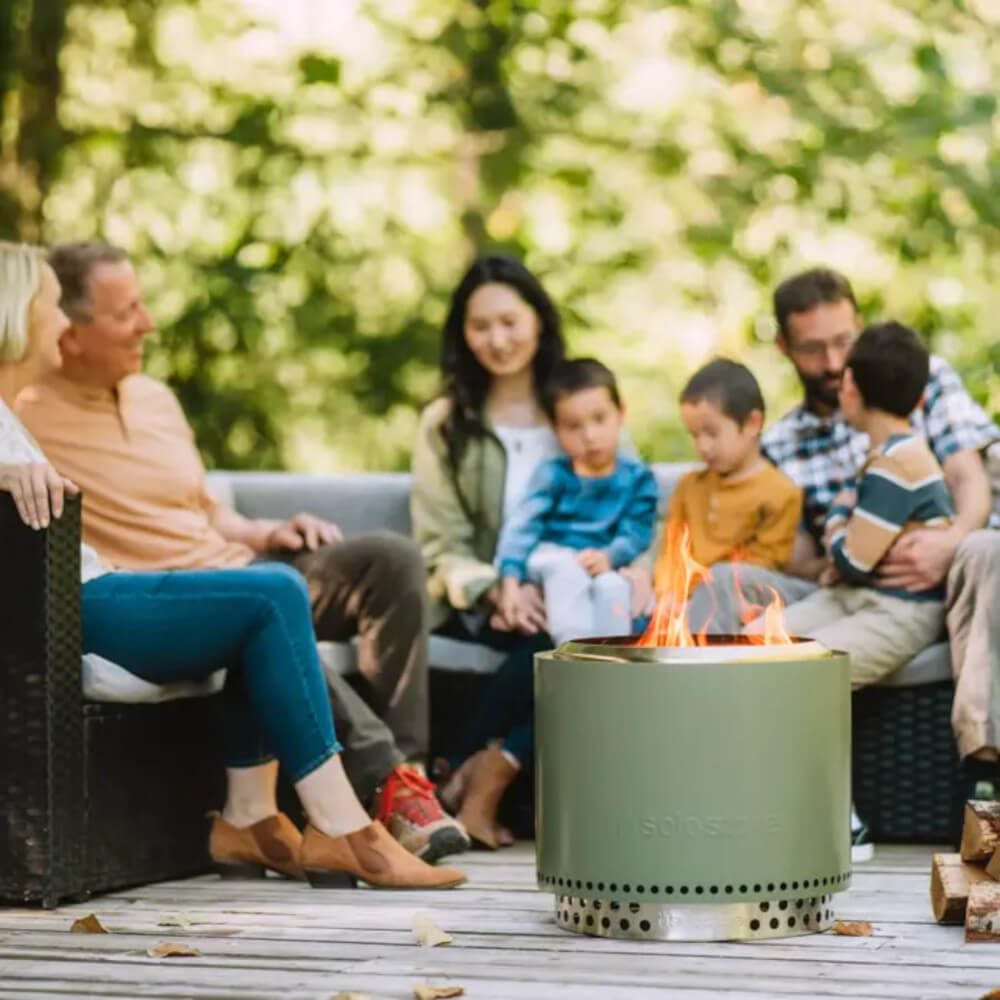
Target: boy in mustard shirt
[738,504]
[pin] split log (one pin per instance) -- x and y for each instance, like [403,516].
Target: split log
[951,878]
[993,866]
[982,915]
[980,831]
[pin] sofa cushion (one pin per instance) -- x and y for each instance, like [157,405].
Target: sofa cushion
[106,681]
[444,654]
[927,667]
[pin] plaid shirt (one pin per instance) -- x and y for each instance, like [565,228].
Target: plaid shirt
[822,455]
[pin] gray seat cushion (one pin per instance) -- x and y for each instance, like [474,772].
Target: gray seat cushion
[928,666]
[444,654]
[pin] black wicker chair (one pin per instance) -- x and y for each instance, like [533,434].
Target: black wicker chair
[93,796]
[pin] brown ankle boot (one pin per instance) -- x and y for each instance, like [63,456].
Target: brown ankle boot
[490,778]
[248,852]
[372,855]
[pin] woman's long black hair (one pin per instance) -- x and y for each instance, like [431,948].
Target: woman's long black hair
[466,382]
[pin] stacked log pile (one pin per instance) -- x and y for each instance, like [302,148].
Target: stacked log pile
[965,887]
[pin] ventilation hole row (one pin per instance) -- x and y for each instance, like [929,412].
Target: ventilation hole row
[698,890]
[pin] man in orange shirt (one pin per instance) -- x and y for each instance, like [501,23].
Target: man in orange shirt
[123,438]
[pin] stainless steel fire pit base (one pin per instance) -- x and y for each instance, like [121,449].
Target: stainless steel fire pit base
[695,922]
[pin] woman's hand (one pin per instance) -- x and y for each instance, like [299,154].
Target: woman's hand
[519,608]
[38,491]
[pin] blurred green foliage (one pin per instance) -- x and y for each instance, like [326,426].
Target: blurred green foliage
[301,183]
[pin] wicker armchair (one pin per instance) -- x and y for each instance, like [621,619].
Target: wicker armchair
[93,796]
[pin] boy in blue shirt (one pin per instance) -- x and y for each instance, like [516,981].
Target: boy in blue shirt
[586,514]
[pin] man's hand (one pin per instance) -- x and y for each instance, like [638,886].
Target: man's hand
[643,595]
[302,532]
[920,559]
[594,561]
[520,607]
[38,491]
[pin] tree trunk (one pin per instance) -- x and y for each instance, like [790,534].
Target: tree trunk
[31,37]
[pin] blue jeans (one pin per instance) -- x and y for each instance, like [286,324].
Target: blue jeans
[256,622]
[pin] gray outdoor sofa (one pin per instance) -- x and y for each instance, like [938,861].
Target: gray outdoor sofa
[101,788]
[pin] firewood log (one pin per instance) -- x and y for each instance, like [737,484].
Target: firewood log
[982,914]
[951,878]
[980,831]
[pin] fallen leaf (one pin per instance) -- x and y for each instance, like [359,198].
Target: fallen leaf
[174,920]
[424,991]
[992,995]
[88,925]
[168,950]
[427,932]
[351,995]
[853,928]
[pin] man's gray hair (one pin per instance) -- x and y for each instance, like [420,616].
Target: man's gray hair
[74,263]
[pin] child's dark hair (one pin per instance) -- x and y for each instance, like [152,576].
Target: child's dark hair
[575,375]
[890,366]
[728,385]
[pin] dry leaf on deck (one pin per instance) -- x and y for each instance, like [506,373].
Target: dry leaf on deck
[853,928]
[427,932]
[168,950]
[174,920]
[424,991]
[88,925]
[351,995]
[992,995]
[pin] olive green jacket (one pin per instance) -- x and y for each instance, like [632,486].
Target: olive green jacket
[456,514]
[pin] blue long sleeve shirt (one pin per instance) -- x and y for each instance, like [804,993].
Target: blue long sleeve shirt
[615,513]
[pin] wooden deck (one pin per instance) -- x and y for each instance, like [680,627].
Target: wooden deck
[282,940]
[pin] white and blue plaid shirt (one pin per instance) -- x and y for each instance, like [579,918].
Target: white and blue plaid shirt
[822,455]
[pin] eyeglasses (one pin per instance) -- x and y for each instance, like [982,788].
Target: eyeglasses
[819,348]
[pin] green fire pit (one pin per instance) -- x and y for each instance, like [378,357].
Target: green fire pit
[693,794]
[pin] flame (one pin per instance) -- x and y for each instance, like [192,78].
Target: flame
[677,574]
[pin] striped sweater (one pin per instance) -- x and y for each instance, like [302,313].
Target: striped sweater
[900,488]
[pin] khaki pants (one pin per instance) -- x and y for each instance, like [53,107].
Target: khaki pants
[879,632]
[974,628]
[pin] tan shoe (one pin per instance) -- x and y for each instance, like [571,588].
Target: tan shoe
[488,780]
[273,843]
[372,855]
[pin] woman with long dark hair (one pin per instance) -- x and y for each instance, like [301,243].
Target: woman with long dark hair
[478,444]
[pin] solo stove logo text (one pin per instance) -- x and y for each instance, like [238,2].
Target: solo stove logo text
[723,827]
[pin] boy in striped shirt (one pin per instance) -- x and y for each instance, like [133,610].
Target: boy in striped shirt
[900,488]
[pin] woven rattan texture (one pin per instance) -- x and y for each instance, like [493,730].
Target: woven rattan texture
[905,763]
[41,764]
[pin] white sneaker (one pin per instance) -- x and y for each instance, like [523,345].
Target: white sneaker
[862,848]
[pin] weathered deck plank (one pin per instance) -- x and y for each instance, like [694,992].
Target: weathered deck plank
[279,939]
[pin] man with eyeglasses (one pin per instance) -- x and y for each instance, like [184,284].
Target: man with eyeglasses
[818,319]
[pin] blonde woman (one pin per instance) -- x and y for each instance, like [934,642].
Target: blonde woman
[184,625]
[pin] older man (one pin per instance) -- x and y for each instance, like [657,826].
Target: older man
[814,446]
[122,437]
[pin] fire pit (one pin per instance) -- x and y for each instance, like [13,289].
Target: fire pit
[693,792]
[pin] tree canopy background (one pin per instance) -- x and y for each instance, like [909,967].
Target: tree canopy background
[301,183]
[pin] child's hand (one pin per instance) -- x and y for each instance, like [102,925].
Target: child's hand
[594,561]
[508,600]
[829,576]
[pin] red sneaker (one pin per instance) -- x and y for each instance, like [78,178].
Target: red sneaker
[410,811]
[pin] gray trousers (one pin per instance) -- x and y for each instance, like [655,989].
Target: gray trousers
[578,605]
[719,604]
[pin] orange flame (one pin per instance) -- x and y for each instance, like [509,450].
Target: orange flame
[677,574]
